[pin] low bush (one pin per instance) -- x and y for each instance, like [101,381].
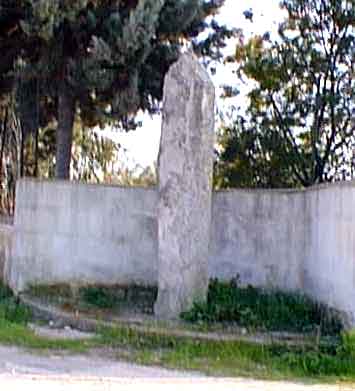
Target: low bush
[261,309]
[99,297]
[11,310]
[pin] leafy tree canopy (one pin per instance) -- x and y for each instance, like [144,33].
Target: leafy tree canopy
[298,128]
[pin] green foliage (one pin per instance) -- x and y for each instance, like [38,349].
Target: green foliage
[210,357]
[348,344]
[20,335]
[135,177]
[252,159]
[315,362]
[330,361]
[123,336]
[5,292]
[256,308]
[93,156]
[223,358]
[103,60]
[298,128]
[11,310]
[99,297]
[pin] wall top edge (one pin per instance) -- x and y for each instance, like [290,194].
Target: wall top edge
[323,186]
[82,184]
[6,227]
[6,221]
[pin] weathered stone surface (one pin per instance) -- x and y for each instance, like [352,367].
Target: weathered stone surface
[185,187]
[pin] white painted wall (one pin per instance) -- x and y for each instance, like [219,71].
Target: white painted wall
[6,235]
[330,262]
[260,235]
[291,240]
[67,232]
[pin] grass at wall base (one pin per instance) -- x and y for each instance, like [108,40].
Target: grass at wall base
[325,361]
[260,309]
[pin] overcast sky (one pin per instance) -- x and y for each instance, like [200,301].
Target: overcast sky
[141,146]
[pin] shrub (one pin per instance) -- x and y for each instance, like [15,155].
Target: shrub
[11,310]
[258,308]
[100,297]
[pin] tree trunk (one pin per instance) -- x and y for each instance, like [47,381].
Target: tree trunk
[36,152]
[3,139]
[66,114]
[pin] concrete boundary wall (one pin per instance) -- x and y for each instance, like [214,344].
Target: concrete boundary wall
[260,236]
[6,237]
[292,240]
[81,234]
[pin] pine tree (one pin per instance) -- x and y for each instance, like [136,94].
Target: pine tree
[104,60]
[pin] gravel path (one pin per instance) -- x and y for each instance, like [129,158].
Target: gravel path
[15,361]
[22,370]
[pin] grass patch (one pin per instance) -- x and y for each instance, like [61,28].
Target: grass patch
[259,309]
[11,310]
[326,362]
[332,359]
[14,317]
[20,335]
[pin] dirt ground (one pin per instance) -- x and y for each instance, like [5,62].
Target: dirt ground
[23,370]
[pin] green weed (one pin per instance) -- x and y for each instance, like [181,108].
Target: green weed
[257,308]
[99,297]
[20,335]
[11,310]
[14,317]
[332,359]
[326,362]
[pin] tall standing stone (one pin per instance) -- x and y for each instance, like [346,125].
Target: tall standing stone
[185,187]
